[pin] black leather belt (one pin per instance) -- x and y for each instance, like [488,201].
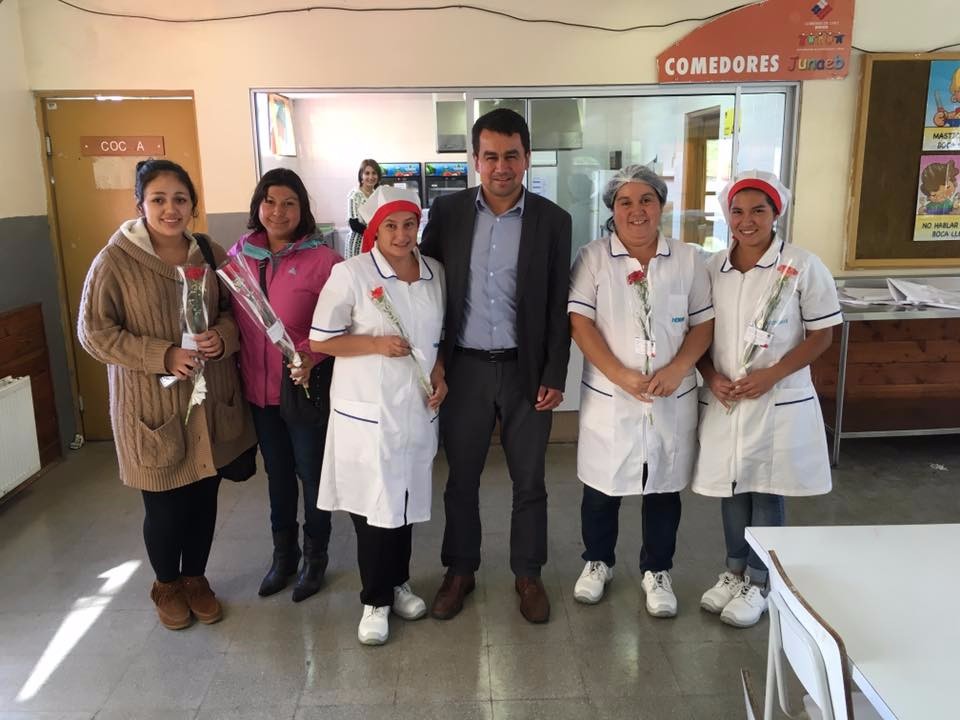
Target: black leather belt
[504,355]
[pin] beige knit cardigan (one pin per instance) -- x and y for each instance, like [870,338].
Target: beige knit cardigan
[129,317]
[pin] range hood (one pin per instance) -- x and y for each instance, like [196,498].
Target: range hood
[556,124]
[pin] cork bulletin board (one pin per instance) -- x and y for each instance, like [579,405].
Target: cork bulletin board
[898,136]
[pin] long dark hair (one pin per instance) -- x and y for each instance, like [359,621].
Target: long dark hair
[288,179]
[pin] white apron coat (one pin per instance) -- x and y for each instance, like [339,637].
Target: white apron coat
[775,444]
[381,437]
[615,440]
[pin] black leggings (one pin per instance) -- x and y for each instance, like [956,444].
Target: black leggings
[178,528]
[383,555]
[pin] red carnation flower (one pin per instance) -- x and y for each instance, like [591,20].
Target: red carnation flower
[637,276]
[376,293]
[788,270]
[194,272]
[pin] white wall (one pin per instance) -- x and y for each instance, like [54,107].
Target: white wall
[67,49]
[335,132]
[21,171]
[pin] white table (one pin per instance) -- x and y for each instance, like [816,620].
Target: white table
[892,592]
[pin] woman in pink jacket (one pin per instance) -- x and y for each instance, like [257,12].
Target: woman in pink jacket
[292,267]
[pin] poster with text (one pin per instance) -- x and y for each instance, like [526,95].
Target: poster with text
[938,204]
[942,117]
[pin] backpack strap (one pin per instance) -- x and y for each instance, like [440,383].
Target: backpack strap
[203,242]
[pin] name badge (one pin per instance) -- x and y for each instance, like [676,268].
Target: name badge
[755,336]
[646,348]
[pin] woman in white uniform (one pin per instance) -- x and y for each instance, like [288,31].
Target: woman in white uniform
[638,408]
[382,435]
[761,429]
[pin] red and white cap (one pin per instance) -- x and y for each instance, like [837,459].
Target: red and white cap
[384,201]
[765,182]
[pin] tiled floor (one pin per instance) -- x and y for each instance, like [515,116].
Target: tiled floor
[79,638]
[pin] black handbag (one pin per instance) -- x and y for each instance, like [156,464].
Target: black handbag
[243,466]
[295,405]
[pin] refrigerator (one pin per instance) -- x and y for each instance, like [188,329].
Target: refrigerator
[407,175]
[442,178]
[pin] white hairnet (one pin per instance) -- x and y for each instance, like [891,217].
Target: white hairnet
[634,173]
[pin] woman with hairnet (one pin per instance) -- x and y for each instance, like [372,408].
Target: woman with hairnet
[761,429]
[640,310]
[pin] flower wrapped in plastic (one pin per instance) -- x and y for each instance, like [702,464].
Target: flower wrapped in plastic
[385,306]
[768,315]
[645,343]
[194,321]
[245,289]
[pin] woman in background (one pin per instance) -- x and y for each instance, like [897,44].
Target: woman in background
[130,320]
[283,251]
[368,179]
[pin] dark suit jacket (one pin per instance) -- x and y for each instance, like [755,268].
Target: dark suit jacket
[543,281]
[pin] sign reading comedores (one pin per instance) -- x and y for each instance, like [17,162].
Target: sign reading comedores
[770,40]
[122,145]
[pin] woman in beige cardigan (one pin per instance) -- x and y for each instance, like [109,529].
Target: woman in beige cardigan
[130,319]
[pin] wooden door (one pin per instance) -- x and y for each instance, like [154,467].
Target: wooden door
[700,127]
[93,195]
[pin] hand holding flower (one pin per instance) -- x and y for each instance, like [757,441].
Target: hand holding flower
[666,380]
[391,346]
[635,383]
[756,384]
[209,344]
[180,363]
[300,374]
[722,388]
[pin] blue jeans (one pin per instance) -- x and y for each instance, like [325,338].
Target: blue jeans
[740,512]
[659,521]
[289,451]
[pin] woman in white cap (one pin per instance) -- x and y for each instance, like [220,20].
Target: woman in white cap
[761,429]
[640,311]
[381,315]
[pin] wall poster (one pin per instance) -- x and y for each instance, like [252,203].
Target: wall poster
[942,131]
[938,203]
[280,112]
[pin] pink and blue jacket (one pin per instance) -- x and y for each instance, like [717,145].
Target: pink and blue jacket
[294,278]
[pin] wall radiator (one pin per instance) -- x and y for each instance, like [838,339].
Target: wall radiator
[19,455]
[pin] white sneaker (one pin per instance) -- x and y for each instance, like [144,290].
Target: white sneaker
[746,608]
[592,581]
[727,588]
[406,604]
[374,626]
[661,602]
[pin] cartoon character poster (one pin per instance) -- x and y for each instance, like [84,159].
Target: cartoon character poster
[942,131]
[938,202]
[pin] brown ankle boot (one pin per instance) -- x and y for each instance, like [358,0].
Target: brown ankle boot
[203,603]
[172,608]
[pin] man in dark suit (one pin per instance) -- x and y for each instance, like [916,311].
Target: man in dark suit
[507,341]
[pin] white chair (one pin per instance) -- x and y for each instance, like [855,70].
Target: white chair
[815,652]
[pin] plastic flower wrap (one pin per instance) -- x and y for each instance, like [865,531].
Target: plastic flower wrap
[245,289]
[382,301]
[194,321]
[645,343]
[769,314]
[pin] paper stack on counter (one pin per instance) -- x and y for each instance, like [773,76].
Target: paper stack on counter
[935,292]
[866,296]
